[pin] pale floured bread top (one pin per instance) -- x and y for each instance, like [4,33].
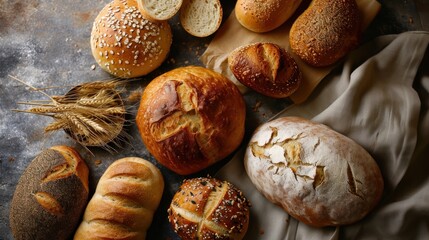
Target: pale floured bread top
[316,174]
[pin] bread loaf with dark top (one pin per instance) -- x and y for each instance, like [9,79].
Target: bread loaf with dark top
[50,196]
[126,197]
[266,68]
[326,31]
[208,208]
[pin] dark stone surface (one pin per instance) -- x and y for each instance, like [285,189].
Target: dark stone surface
[46,44]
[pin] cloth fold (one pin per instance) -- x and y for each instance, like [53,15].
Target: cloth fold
[379,97]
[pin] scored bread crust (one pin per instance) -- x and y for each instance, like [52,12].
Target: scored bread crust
[207,208]
[264,15]
[315,174]
[126,44]
[50,196]
[191,117]
[266,68]
[326,31]
[201,18]
[122,207]
[159,10]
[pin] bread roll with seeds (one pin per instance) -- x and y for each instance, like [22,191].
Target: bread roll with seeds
[264,15]
[326,31]
[207,208]
[126,197]
[126,44]
[190,118]
[266,68]
[317,175]
[50,196]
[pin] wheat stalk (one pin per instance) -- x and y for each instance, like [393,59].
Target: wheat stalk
[93,113]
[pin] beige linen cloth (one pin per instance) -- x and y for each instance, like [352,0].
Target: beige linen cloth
[379,97]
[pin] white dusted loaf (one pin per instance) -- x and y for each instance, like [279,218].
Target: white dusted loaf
[314,173]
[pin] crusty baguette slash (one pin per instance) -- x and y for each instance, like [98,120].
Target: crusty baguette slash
[126,197]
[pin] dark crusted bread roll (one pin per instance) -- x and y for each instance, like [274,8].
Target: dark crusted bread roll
[266,68]
[191,117]
[207,208]
[50,196]
[326,31]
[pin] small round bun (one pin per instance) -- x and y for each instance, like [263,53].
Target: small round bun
[326,31]
[318,176]
[207,208]
[126,44]
[191,117]
[266,68]
[264,15]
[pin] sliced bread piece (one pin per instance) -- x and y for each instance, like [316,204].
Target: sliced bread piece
[201,18]
[159,10]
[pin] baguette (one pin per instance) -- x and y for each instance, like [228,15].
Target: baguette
[50,196]
[126,197]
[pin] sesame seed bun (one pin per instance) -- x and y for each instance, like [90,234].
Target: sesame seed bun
[125,43]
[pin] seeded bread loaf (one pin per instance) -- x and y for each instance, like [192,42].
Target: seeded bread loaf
[190,118]
[201,18]
[326,31]
[50,196]
[207,208]
[126,44]
[159,10]
[126,197]
[264,15]
[317,175]
[266,68]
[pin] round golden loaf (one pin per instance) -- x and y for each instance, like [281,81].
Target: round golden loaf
[326,31]
[126,44]
[50,196]
[266,68]
[191,117]
[315,174]
[207,208]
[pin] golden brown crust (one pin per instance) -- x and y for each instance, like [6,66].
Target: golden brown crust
[127,195]
[326,31]
[50,196]
[190,118]
[264,15]
[266,68]
[207,208]
[127,45]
